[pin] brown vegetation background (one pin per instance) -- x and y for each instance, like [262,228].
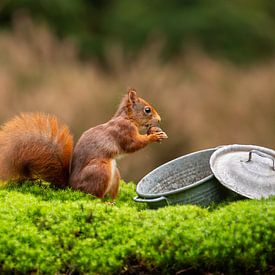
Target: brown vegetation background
[203,102]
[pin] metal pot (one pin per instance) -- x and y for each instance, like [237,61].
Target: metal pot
[187,179]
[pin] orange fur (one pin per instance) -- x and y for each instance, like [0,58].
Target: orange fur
[98,148]
[36,145]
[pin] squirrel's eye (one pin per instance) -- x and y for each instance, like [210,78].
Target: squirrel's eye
[147,110]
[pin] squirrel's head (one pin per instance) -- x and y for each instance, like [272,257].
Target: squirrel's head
[140,111]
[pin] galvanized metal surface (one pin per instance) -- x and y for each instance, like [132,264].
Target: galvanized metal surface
[245,169]
[187,179]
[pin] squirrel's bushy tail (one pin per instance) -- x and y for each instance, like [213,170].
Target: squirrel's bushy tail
[35,146]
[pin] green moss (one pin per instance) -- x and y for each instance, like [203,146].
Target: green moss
[51,231]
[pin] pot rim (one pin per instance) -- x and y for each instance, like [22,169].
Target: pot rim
[172,192]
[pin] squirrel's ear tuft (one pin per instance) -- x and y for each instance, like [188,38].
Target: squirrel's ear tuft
[132,95]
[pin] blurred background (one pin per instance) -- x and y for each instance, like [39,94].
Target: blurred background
[207,66]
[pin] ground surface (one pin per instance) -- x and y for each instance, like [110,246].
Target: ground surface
[49,231]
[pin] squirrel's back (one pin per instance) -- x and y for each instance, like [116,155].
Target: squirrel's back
[35,145]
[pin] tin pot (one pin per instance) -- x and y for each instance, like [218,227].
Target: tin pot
[187,179]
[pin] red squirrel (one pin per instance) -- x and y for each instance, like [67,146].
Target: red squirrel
[36,146]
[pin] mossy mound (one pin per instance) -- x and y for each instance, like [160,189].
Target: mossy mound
[50,231]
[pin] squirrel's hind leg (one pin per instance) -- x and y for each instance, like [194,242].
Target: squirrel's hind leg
[95,178]
[115,185]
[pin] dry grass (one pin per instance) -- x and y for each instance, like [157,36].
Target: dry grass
[203,102]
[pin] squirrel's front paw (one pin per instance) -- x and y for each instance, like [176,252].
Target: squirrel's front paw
[158,136]
[153,129]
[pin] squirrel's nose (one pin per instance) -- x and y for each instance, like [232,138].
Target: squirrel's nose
[155,120]
[158,118]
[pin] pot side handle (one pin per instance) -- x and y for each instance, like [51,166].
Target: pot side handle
[162,198]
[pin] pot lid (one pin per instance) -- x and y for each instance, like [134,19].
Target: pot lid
[248,170]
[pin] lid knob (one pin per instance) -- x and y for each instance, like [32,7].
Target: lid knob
[261,154]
